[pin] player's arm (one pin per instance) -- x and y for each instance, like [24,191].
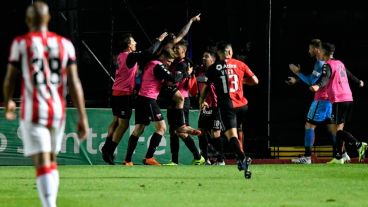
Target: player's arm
[8,91]
[354,79]
[292,80]
[142,56]
[249,77]
[76,92]
[323,79]
[202,96]
[161,73]
[307,79]
[184,31]
[251,81]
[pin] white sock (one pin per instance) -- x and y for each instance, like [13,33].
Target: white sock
[55,175]
[46,187]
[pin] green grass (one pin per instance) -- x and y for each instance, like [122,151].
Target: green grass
[271,185]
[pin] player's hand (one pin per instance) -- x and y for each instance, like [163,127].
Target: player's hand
[10,110]
[204,105]
[314,88]
[361,83]
[82,128]
[196,18]
[291,81]
[190,70]
[162,36]
[295,69]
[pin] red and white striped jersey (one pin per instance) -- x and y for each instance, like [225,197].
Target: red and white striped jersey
[42,58]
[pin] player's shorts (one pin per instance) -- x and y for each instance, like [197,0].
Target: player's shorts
[319,112]
[147,110]
[38,138]
[241,114]
[209,119]
[171,116]
[165,98]
[122,106]
[341,112]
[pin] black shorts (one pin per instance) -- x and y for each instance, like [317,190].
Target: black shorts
[165,98]
[147,110]
[233,117]
[171,116]
[209,119]
[122,106]
[341,112]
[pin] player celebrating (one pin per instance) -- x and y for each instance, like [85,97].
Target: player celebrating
[228,76]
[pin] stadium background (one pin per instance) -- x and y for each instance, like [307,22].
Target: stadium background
[277,33]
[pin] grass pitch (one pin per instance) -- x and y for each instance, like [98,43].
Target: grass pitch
[271,185]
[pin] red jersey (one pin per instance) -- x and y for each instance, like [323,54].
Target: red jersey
[227,77]
[43,58]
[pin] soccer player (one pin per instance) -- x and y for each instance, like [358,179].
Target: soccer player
[47,63]
[320,110]
[182,68]
[334,80]
[154,74]
[123,89]
[228,75]
[209,122]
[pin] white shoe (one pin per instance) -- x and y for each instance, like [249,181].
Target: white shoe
[346,157]
[302,160]
[220,163]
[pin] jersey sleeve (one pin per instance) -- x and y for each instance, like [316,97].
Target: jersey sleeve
[209,75]
[325,77]
[247,71]
[14,55]
[70,52]
[161,73]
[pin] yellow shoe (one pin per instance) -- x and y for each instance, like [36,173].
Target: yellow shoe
[201,161]
[171,163]
[336,161]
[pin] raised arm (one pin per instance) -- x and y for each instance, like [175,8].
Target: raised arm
[184,31]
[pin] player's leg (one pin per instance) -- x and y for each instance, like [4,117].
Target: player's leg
[37,145]
[160,128]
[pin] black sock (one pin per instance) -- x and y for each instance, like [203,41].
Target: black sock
[113,146]
[180,119]
[155,141]
[234,143]
[219,146]
[339,142]
[189,142]
[107,144]
[174,147]
[348,137]
[132,144]
[308,151]
[203,145]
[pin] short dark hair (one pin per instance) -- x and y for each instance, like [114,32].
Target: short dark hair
[183,43]
[329,48]
[221,46]
[316,43]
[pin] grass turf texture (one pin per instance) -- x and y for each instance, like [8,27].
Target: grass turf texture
[271,185]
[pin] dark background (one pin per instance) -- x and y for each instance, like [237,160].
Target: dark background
[293,24]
